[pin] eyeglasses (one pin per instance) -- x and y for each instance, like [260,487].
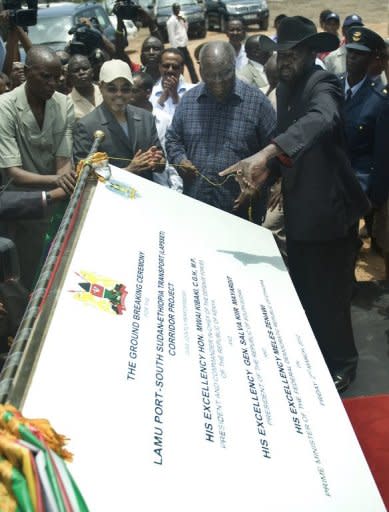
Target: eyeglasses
[174,67]
[112,89]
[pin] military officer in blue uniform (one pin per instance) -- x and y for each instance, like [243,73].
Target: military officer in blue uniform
[365,114]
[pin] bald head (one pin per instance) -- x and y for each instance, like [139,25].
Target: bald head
[217,68]
[41,55]
[43,72]
[151,50]
[217,53]
[254,51]
[152,41]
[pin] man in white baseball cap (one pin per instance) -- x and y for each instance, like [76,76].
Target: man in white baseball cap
[131,139]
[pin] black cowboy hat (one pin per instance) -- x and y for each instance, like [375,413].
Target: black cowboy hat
[297,30]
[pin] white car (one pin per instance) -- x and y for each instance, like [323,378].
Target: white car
[131,28]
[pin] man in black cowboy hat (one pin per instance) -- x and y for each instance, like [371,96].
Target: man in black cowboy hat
[322,198]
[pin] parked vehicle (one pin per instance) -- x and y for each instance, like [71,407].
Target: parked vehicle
[191,10]
[250,12]
[55,20]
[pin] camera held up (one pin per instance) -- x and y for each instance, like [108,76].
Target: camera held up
[20,16]
[126,10]
[85,39]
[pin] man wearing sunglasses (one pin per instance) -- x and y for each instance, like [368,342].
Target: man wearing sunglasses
[168,91]
[131,139]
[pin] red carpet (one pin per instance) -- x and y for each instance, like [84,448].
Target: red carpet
[370,418]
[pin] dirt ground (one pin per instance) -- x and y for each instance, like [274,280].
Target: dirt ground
[375,14]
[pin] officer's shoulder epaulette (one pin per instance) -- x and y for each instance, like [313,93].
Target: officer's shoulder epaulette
[381,90]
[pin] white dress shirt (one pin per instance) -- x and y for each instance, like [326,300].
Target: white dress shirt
[169,177]
[169,107]
[177,31]
[320,63]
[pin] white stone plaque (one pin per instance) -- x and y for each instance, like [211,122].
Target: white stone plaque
[180,363]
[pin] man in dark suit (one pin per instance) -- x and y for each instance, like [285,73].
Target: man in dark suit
[131,139]
[322,198]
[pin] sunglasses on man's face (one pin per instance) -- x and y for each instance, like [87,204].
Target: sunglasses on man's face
[112,89]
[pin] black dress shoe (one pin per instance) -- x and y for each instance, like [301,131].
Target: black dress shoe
[342,380]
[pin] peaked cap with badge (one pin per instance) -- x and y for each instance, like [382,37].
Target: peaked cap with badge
[364,40]
[297,30]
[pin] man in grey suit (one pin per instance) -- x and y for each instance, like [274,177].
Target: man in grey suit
[131,139]
[253,73]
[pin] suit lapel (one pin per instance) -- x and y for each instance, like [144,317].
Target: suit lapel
[131,130]
[134,123]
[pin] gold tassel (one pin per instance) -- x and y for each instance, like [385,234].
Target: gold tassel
[54,441]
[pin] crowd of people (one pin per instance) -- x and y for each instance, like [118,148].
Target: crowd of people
[298,122]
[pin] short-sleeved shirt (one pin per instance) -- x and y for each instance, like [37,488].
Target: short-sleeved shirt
[23,143]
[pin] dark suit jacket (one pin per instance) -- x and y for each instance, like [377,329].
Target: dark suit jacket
[322,197]
[367,136]
[142,134]
[21,205]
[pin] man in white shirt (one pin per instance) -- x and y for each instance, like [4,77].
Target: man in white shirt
[177,29]
[236,34]
[169,89]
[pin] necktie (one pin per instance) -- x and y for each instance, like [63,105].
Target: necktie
[348,95]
